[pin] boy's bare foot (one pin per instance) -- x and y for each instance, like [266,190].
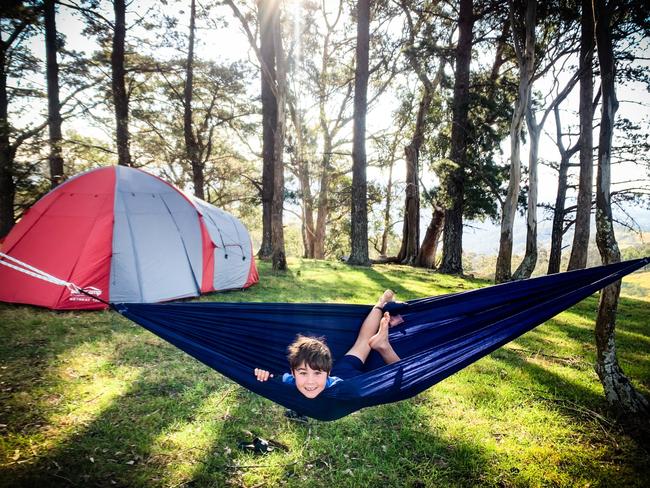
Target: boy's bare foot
[388,296]
[380,341]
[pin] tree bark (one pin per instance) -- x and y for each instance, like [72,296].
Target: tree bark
[7,186]
[7,151]
[558,229]
[53,102]
[269,121]
[527,265]
[389,200]
[410,246]
[411,230]
[120,97]
[632,407]
[359,213]
[427,255]
[452,247]
[191,146]
[580,247]
[278,257]
[328,134]
[525,50]
[302,170]
[323,199]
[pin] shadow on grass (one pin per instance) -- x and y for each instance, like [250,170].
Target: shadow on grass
[390,445]
[143,435]
[34,340]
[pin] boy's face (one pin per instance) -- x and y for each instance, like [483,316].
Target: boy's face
[310,382]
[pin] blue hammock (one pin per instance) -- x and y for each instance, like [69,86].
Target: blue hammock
[440,335]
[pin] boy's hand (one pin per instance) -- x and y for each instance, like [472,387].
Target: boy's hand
[262,374]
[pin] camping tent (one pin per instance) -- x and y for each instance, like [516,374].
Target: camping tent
[125,235]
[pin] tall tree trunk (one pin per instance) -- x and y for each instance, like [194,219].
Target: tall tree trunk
[359,214]
[410,247]
[120,97]
[525,50]
[7,148]
[7,185]
[558,229]
[557,232]
[328,135]
[527,265]
[278,257]
[323,199]
[411,230]
[427,255]
[580,247]
[452,246]
[53,103]
[631,406]
[191,146]
[389,200]
[302,171]
[269,121]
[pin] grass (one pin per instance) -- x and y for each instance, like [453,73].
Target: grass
[89,399]
[638,285]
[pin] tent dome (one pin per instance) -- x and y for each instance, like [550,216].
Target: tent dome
[125,235]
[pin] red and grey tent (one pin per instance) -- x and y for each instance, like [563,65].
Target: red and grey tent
[125,235]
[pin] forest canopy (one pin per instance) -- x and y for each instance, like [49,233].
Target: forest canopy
[173,88]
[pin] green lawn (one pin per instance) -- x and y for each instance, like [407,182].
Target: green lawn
[90,399]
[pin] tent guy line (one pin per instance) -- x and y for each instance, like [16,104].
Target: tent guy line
[42,275]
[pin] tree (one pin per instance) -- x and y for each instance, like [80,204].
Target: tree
[16,22]
[269,122]
[559,226]
[118,74]
[527,265]
[490,111]
[321,80]
[270,54]
[53,101]
[581,232]
[188,129]
[388,148]
[278,257]
[452,252]
[523,33]
[427,254]
[632,407]
[359,213]
[418,57]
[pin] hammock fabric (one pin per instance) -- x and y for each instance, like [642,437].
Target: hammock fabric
[440,335]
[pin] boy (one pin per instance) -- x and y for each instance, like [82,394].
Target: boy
[311,360]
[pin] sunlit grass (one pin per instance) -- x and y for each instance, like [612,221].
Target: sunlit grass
[89,399]
[637,285]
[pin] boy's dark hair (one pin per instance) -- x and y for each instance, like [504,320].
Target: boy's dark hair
[311,351]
